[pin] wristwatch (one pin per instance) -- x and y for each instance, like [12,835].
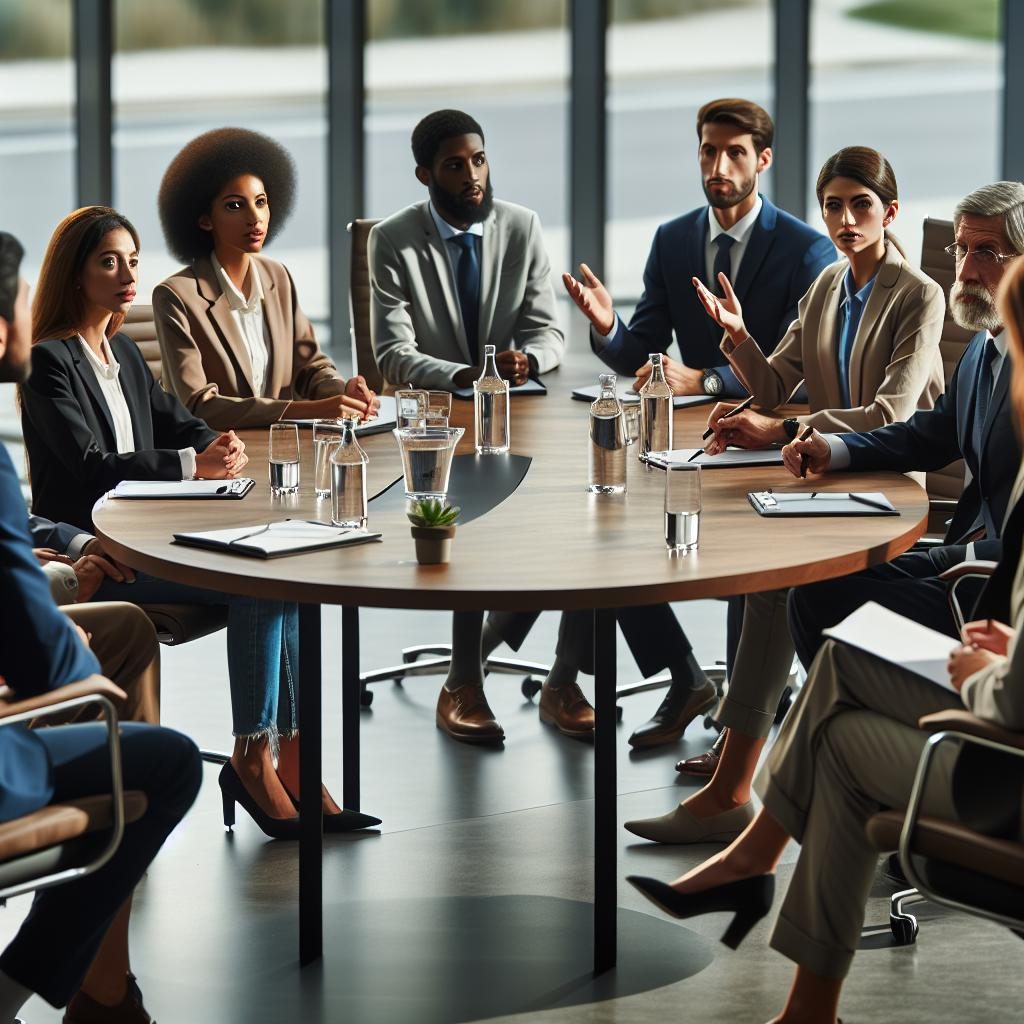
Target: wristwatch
[792,427]
[712,383]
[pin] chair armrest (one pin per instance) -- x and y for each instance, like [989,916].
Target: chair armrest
[942,505]
[978,567]
[970,725]
[91,686]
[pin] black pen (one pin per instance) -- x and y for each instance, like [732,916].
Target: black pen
[870,502]
[803,458]
[735,410]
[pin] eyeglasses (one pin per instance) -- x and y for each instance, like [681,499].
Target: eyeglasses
[983,256]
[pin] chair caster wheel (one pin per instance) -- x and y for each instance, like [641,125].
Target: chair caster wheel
[710,723]
[904,930]
[530,687]
[366,698]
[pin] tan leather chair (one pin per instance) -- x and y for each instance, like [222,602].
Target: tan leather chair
[363,356]
[64,842]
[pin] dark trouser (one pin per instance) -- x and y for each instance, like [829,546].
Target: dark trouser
[655,638]
[908,585]
[59,939]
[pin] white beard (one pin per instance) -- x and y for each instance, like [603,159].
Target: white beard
[979,315]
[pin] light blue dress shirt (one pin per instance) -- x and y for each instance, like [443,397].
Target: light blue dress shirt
[851,309]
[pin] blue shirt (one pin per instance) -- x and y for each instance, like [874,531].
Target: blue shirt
[851,309]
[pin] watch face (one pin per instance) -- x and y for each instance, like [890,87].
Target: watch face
[712,383]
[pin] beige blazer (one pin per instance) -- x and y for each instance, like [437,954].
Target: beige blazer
[206,362]
[895,364]
[415,320]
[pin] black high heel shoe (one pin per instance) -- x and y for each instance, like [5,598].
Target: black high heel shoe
[232,792]
[343,821]
[749,899]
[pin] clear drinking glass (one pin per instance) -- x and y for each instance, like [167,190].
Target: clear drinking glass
[631,419]
[326,433]
[411,407]
[427,459]
[284,458]
[682,508]
[439,408]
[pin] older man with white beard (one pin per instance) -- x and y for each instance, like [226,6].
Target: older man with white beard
[972,421]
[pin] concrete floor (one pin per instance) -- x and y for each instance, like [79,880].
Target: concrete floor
[472,903]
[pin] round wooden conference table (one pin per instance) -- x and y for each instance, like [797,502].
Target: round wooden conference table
[548,545]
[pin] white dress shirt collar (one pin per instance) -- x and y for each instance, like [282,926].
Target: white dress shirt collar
[446,231]
[740,230]
[236,300]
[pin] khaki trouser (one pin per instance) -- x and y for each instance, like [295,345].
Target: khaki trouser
[849,748]
[124,642]
[760,672]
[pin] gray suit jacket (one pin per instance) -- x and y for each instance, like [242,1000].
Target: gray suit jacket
[416,322]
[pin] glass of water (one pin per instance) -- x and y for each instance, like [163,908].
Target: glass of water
[427,459]
[439,408]
[326,433]
[682,508]
[284,458]
[631,419]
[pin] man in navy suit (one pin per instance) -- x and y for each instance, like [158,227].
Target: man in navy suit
[772,257]
[972,420]
[71,947]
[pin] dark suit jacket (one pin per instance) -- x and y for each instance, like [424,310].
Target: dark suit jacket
[47,534]
[39,651]
[933,438]
[781,261]
[69,434]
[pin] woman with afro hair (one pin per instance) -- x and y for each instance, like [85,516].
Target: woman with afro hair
[237,349]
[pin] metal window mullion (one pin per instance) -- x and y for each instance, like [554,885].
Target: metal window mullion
[93,39]
[792,104]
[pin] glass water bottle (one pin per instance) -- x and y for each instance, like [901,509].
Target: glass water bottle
[490,408]
[655,411]
[607,441]
[348,480]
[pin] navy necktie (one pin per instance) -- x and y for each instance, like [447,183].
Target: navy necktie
[723,263]
[467,282]
[983,400]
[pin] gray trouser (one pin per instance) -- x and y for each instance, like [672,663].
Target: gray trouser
[761,668]
[848,749]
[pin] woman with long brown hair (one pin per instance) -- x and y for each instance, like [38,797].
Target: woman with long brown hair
[93,416]
[866,347]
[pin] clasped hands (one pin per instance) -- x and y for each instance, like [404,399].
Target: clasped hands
[91,569]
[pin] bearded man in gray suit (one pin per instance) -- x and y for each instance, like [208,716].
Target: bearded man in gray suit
[448,276]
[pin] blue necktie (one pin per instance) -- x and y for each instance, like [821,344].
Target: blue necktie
[723,263]
[467,282]
[983,400]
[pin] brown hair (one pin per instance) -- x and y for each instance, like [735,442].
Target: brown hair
[1010,302]
[751,119]
[866,166]
[59,305]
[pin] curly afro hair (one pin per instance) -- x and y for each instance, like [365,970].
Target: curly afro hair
[203,168]
[435,128]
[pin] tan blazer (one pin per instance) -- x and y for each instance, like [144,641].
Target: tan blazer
[206,362]
[415,320]
[895,365]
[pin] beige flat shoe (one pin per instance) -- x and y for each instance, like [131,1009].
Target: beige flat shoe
[681,826]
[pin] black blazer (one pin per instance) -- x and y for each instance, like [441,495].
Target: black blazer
[932,438]
[69,434]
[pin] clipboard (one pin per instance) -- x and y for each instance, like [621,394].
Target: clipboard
[780,505]
[531,386]
[164,490]
[274,540]
[625,394]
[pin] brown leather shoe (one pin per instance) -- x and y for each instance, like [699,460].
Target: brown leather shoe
[466,716]
[703,765]
[83,1009]
[567,710]
[679,708]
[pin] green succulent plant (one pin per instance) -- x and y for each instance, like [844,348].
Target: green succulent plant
[430,512]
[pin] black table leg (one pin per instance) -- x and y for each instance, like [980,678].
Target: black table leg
[605,836]
[311,882]
[351,708]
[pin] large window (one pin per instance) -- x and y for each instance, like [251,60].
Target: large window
[186,66]
[666,58]
[918,80]
[505,62]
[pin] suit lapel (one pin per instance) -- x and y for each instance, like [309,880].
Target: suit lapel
[88,377]
[966,390]
[696,266]
[220,317]
[828,339]
[443,270]
[279,348]
[762,237]
[994,405]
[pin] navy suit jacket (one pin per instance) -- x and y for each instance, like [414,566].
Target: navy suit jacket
[782,259]
[48,534]
[69,435]
[933,438]
[39,651]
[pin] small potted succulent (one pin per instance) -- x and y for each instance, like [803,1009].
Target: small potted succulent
[433,530]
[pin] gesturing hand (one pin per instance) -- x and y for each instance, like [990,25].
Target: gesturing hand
[725,311]
[592,297]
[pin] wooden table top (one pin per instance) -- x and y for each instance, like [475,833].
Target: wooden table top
[551,545]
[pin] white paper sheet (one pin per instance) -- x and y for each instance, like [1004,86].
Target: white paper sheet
[730,457]
[269,539]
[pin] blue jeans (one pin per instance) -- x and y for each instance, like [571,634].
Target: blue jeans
[263,650]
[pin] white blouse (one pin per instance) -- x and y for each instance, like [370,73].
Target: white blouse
[108,376]
[248,315]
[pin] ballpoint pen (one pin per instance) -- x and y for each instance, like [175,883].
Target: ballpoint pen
[803,458]
[870,501]
[734,411]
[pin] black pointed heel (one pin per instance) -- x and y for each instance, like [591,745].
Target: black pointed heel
[233,792]
[749,900]
[343,821]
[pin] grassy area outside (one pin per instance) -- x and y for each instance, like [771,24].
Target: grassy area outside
[975,19]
